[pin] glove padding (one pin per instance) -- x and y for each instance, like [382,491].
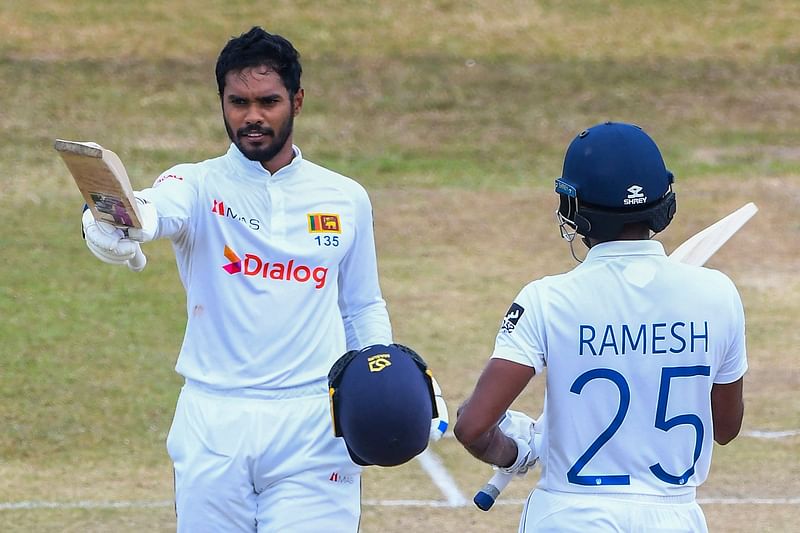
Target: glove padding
[439,424]
[521,428]
[110,244]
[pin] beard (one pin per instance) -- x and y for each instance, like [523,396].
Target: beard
[263,153]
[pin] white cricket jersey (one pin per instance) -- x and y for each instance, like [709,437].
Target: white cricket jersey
[633,342]
[279,269]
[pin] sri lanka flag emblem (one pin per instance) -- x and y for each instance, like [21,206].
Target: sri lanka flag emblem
[323,223]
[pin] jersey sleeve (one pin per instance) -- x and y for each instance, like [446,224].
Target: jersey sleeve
[366,320]
[734,362]
[520,338]
[174,194]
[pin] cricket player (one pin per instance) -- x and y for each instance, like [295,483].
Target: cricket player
[645,358]
[277,257]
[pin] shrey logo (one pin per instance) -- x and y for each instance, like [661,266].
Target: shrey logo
[379,362]
[253,265]
[635,196]
[222,210]
[512,317]
[324,223]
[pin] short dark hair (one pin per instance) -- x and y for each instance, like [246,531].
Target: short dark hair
[256,48]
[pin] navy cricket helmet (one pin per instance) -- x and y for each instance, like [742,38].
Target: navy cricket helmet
[614,175]
[382,404]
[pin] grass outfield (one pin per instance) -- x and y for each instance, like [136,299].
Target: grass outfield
[455,115]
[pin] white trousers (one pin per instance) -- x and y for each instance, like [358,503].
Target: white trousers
[263,463]
[561,512]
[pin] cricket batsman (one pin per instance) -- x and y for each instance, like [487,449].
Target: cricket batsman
[277,257]
[645,358]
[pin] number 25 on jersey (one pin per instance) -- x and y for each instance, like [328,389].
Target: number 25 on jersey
[661,422]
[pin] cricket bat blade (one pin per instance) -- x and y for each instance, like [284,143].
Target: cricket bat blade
[103,181]
[699,248]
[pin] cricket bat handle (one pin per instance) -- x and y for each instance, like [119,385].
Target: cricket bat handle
[138,261]
[486,497]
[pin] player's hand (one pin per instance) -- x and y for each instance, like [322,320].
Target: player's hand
[521,428]
[110,245]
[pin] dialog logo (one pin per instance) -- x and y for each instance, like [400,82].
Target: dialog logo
[255,266]
[235,265]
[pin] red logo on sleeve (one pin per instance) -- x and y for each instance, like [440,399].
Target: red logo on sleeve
[164,177]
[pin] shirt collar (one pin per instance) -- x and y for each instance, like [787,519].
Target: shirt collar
[624,248]
[254,169]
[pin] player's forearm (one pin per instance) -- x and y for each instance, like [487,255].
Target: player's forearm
[368,325]
[727,407]
[491,447]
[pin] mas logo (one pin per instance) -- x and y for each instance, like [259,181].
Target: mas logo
[255,266]
[324,223]
[379,362]
[336,477]
[219,208]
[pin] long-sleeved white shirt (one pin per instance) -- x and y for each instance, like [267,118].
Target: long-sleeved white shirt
[279,269]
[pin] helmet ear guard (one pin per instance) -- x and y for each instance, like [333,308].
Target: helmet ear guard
[606,224]
[334,378]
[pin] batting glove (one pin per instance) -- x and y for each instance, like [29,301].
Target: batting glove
[439,424]
[110,244]
[520,427]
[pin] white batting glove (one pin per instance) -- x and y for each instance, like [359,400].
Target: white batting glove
[110,245]
[521,428]
[439,424]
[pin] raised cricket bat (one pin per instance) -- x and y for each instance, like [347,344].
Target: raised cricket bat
[104,184]
[699,248]
[694,251]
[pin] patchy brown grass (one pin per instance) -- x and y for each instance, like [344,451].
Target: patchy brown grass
[455,115]
[451,262]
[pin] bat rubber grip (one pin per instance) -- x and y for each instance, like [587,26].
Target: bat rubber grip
[138,261]
[486,497]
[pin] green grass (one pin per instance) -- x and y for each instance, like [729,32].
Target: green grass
[455,115]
